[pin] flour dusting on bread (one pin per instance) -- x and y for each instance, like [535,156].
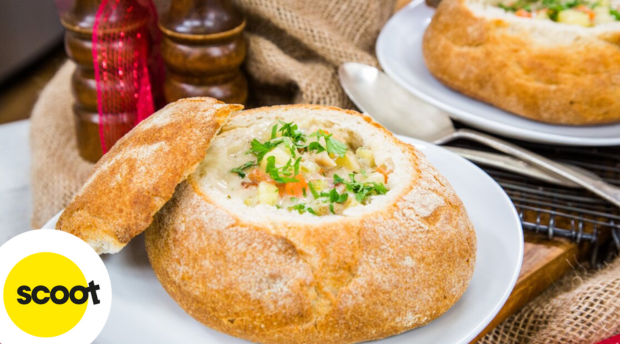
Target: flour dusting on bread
[557,70]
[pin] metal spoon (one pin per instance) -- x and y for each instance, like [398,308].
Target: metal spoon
[379,96]
[508,163]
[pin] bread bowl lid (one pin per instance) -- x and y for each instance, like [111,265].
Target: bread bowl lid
[139,174]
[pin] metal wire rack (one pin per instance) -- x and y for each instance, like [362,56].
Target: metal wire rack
[557,211]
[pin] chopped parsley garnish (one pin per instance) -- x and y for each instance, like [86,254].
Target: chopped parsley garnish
[290,138]
[332,145]
[296,166]
[338,179]
[313,191]
[361,190]
[302,208]
[292,131]
[294,139]
[239,170]
[511,8]
[280,174]
[260,149]
[334,197]
[615,13]
[335,147]
[316,147]
[274,131]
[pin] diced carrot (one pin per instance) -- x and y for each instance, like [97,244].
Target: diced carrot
[295,189]
[383,172]
[523,13]
[587,10]
[257,175]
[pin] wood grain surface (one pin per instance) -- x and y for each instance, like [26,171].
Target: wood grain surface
[544,262]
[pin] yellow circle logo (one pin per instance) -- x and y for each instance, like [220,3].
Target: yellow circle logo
[46,294]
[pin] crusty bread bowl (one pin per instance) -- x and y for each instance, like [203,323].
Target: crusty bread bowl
[270,271]
[547,71]
[358,239]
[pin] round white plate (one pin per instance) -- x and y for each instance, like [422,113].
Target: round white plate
[142,312]
[399,49]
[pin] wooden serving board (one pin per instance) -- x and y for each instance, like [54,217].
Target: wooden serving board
[544,262]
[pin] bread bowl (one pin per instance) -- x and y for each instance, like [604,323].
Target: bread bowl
[238,254]
[554,61]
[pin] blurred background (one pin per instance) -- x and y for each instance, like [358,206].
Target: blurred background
[32,51]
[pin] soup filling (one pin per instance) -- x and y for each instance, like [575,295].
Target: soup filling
[309,170]
[578,12]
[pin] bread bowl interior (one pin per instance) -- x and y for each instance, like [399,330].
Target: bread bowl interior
[318,168]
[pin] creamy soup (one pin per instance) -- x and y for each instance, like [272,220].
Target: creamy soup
[301,167]
[578,12]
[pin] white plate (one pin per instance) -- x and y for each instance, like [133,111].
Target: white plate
[399,49]
[142,312]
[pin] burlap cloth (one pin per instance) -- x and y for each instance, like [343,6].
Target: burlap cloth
[295,47]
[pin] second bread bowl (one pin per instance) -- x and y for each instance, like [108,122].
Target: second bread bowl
[554,61]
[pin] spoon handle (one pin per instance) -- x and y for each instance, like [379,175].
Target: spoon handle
[511,164]
[599,187]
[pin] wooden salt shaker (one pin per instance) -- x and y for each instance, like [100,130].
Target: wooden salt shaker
[79,22]
[203,48]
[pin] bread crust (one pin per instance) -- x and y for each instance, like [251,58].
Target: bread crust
[545,71]
[344,280]
[139,174]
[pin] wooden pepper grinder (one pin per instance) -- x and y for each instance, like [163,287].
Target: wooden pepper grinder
[79,22]
[203,48]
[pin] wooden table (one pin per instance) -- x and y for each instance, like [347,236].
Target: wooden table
[544,262]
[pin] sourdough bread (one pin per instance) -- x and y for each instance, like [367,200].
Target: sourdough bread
[272,275]
[543,70]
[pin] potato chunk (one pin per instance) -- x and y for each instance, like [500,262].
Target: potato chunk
[282,157]
[375,177]
[366,155]
[349,162]
[268,193]
[574,17]
[324,160]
